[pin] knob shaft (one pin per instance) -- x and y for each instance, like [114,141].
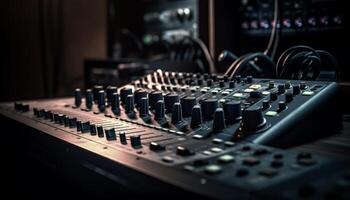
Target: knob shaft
[101,100]
[77,97]
[89,98]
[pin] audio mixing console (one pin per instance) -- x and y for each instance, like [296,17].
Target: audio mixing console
[215,136]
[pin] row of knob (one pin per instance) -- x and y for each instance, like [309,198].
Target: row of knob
[208,109]
[86,126]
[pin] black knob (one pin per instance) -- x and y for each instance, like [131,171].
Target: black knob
[77,97]
[138,94]
[129,104]
[96,89]
[214,77]
[281,89]
[196,119]
[289,96]
[219,120]
[253,119]
[154,97]
[209,82]
[271,84]
[222,84]
[110,90]
[115,101]
[302,85]
[101,100]
[296,89]
[273,96]
[135,141]
[225,77]
[287,85]
[154,146]
[265,104]
[169,101]
[122,138]
[89,98]
[249,79]
[255,94]
[176,117]
[144,106]
[200,82]
[110,134]
[124,92]
[238,78]
[232,111]
[208,108]
[232,84]
[281,106]
[187,104]
[159,110]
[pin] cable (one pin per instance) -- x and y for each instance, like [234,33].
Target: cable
[205,50]
[274,36]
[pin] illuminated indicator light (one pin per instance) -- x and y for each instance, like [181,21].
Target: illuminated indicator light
[248,90]
[271,113]
[307,93]
[265,93]
[212,169]
[226,158]
[238,95]
[255,86]
[215,149]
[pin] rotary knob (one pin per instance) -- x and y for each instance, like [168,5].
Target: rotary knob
[219,120]
[169,101]
[208,108]
[101,100]
[196,119]
[89,98]
[144,106]
[110,90]
[154,97]
[77,97]
[253,119]
[176,117]
[124,92]
[232,111]
[187,104]
[129,104]
[159,110]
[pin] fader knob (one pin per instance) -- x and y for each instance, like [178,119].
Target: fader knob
[135,141]
[187,104]
[154,97]
[176,117]
[196,119]
[169,101]
[232,111]
[144,106]
[101,100]
[208,108]
[253,119]
[124,92]
[219,120]
[77,97]
[159,110]
[89,98]
[129,104]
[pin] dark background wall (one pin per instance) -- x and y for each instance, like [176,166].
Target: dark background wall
[43,45]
